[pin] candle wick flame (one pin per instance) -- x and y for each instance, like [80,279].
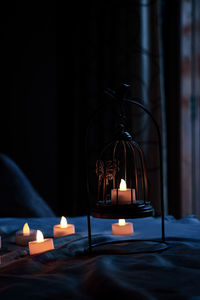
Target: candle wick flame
[121,222]
[122,186]
[39,236]
[26,229]
[63,222]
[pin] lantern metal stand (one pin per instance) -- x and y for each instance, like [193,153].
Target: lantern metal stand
[127,162]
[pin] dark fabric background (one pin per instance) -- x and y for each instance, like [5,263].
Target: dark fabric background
[170,31]
[55,64]
[28,120]
[102,47]
[53,75]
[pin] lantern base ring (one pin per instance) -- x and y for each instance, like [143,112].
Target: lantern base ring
[125,246]
[121,211]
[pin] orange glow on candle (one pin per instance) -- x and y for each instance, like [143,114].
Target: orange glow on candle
[122,186]
[122,228]
[26,235]
[63,228]
[63,222]
[26,229]
[40,244]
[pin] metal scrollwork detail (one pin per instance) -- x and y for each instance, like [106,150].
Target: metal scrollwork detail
[107,170]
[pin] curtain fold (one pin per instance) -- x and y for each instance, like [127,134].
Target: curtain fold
[189,107]
[181,44]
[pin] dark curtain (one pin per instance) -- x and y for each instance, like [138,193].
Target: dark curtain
[181,77]
[28,118]
[102,46]
[54,70]
[170,35]
[189,107]
[53,78]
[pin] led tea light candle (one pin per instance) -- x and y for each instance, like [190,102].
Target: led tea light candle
[122,228]
[63,228]
[41,244]
[24,236]
[125,196]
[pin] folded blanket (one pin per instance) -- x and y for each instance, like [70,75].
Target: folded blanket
[18,197]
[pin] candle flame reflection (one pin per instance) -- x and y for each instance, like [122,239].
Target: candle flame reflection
[63,222]
[39,236]
[26,229]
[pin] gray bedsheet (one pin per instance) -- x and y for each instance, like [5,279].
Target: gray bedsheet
[137,269]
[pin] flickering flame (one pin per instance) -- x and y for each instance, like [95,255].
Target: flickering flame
[121,222]
[26,229]
[63,222]
[122,185]
[39,236]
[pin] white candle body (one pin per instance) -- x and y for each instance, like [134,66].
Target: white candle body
[39,247]
[23,240]
[124,196]
[125,229]
[62,231]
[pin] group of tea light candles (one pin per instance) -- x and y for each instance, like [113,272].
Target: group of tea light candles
[38,244]
[35,239]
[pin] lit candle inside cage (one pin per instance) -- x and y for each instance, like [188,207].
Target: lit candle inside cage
[122,186]
[40,244]
[122,228]
[63,228]
[123,195]
[24,236]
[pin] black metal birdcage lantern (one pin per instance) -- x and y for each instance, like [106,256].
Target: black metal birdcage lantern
[122,179]
[121,173]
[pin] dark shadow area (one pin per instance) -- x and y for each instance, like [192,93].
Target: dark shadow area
[55,65]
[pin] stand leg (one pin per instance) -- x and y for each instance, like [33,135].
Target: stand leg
[89,234]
